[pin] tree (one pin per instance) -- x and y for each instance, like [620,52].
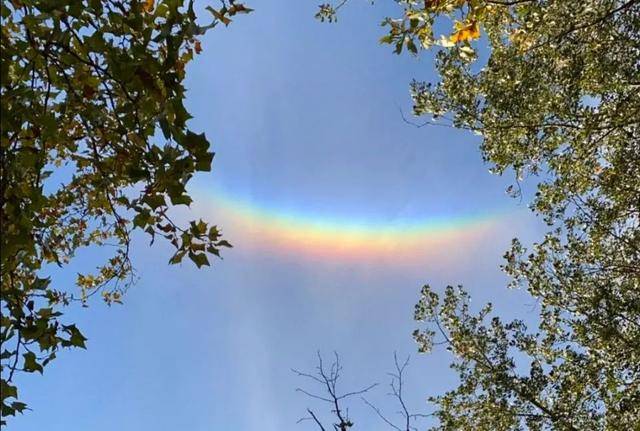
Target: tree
[557,102]
[93,92]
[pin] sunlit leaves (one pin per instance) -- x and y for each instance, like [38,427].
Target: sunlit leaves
[225,13]
[465,32]
[328,12]
[414,30]
[548,109]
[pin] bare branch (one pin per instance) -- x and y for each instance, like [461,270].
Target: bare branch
[362,391]
[380,415]
[328,378]
[314,418]
[309,394]
[397,382]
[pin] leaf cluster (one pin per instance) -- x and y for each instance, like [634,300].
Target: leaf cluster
[557,103]
[95,144]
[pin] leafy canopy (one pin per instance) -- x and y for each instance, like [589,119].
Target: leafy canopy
[558,102]
[91,91]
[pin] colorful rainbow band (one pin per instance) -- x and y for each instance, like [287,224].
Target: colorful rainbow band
[248,224]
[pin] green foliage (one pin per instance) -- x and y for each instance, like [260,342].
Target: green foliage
[558,102]
[93,89]
[559,98]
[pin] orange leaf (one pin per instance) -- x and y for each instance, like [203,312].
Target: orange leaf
[466,32]
[148,5]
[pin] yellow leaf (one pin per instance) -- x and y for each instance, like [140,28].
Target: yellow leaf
[465,32]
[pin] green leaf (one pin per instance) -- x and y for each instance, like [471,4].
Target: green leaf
[177,257]
[30,363]
[7,390]
[200,259]
[76,338]
[224,243]
[18,406]
[154,201]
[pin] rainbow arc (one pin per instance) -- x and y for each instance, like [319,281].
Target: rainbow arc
[297,232]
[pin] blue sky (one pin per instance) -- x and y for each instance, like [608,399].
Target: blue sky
[303,117]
